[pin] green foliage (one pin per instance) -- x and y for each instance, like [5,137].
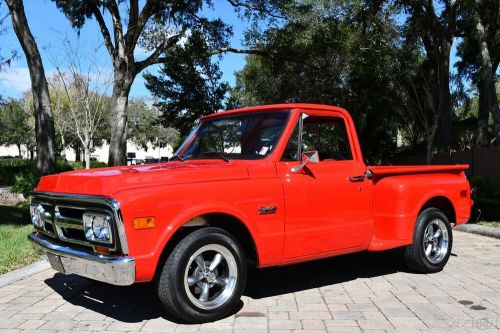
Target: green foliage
[319,56]
[76,11]
[97,164]
[468,64]
[15,162]
[12,167]
[63,166]
[15,127]
[15,249]
[487,199]
[492,224]
[144,126]
[188,86]
[25,183]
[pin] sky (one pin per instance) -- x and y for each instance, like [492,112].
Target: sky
[50,27]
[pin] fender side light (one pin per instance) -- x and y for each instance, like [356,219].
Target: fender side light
[144,223]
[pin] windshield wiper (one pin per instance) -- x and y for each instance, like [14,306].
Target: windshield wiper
[216,153]
[176,157]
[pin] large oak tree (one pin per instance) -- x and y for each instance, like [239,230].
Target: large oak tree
[479,51]
[44,124]
[157,27]
[434,23]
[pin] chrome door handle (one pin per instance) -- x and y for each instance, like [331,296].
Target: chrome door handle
[357,178]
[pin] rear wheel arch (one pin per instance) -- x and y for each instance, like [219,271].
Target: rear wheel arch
[442,203]
[227,222]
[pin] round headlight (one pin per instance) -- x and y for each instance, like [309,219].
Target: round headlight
[97,227]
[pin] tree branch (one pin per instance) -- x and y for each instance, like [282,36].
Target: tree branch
[117,21]
[134,31]
[237,3]
[162,60]
[133,18]
[240,51]
[104,29]
[155,56]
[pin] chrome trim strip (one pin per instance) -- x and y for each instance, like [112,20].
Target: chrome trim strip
[95,199]
[110,269]
[67,222]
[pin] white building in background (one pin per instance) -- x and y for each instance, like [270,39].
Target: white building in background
[100,153]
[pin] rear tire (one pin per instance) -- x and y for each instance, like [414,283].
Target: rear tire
[432,242]
[203,277]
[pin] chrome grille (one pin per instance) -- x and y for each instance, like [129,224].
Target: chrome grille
[63,217]
[47,218]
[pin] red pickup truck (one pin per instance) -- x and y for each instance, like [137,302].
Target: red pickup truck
[265,186]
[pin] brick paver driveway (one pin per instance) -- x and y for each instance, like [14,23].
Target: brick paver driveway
[367,292]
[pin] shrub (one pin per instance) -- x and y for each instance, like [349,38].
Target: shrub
[487,199]
[97,164]
[25,183]
[12,167]
[63,166]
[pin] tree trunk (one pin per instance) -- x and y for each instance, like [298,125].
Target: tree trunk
[118,142]
[482,116]
[87,157]
[19,150]
[44,124]
[444,102]
[430,141]
[488,102]
[78,153]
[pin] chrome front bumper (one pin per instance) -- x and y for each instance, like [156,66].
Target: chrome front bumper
[119,271]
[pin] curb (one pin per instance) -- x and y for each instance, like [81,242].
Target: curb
[479,230]
[23,272]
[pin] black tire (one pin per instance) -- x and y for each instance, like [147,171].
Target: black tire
[414,255]
[172,285]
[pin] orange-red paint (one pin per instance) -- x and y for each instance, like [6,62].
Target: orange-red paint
[319,212]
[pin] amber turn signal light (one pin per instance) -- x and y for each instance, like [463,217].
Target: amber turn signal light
[101,249]
[144,222]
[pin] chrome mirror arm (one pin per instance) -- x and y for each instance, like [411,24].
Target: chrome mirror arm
[299,167]
[307,156]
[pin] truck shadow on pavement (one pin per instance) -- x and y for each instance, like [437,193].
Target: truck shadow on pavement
[139,302]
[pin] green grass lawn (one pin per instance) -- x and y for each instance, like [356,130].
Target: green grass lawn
[490,224]
[15,249]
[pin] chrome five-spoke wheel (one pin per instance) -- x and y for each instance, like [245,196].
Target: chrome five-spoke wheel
[435,242]
[203,277]
[210,276]
[432,242]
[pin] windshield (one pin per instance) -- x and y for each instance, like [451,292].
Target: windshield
[246,136]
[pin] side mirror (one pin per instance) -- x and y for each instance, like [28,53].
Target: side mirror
[307,156]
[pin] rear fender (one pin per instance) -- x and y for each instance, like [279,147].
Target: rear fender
[398,201]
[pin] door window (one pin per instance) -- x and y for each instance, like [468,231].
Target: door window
[327,135]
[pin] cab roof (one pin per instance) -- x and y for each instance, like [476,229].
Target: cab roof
[270,107]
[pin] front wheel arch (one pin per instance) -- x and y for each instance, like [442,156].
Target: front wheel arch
[224,221]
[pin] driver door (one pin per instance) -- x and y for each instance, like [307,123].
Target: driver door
[326,210]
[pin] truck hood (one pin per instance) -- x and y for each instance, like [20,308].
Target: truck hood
[107,181]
